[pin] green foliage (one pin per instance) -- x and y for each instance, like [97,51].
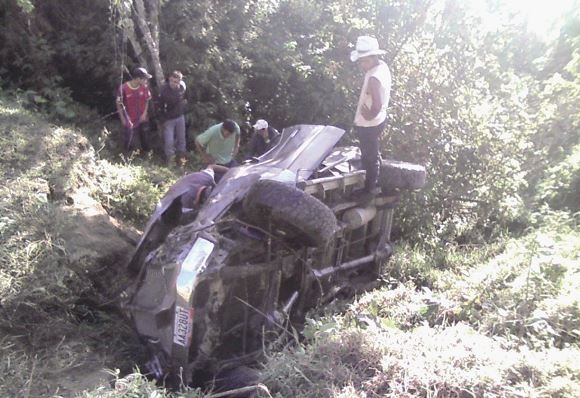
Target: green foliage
[497,321]
[492,114]
[560,187]
[437,266]
[204,40]
[527,293]
[552,164]
[59,50]
[485,110]
[372,360]
[131,192]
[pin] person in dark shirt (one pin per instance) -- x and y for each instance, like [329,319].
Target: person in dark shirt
[171,112]
[264,138]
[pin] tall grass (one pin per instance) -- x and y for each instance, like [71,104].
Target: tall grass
[58,320]
[494,321]
[498,320]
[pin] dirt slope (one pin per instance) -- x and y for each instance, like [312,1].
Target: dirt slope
[61,266]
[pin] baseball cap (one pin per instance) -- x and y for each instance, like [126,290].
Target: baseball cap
[261,124]
[141,73]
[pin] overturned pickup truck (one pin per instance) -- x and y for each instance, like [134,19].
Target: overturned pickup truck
[274,239]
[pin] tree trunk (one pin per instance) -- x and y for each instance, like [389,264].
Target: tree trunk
[140,23]
[146,15]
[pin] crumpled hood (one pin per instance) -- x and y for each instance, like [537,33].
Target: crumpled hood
[297,155]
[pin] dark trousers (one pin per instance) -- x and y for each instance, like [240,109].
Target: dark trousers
[136,138]
[370,157]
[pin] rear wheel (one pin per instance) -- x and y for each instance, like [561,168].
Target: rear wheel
[290,212]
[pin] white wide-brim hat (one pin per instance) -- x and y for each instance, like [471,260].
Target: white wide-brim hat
[365,46]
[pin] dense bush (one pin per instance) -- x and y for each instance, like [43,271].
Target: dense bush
[486,110]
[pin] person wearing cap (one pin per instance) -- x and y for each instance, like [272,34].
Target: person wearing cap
[219,144]
[132,106]
[264,138]
[171,112]
[371,111]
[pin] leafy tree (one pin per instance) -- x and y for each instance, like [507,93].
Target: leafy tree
[139,21]
[554,163]
[485,109]
[59,49]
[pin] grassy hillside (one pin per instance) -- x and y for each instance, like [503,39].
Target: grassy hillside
[505,326]
[61,257]
[497,321]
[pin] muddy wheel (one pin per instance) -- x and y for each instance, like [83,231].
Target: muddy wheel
[401,175]
[292,213]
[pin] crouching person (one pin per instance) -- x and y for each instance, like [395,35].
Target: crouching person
[219,145]
[264,138]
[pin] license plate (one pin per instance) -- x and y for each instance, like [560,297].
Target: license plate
[183,326]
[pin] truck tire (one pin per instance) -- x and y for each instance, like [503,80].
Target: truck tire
[397,175]
[300,217]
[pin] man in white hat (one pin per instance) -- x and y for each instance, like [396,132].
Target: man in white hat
[264,138]
[371,111]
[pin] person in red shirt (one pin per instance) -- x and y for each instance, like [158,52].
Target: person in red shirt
[132,105]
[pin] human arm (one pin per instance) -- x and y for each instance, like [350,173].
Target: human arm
[218,168]
[274,136]
[162,103]
[201,142]
[121,111]
[374,87]
[145,115]
[236,146]
[206,157]
[252,147]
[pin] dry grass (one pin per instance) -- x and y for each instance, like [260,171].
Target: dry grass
[367,360]
[505,327]
[494,321]
[57,318]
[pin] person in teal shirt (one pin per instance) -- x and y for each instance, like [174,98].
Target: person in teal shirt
[219,144]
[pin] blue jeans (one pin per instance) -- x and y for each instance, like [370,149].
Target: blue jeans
[174,136]
[370,156]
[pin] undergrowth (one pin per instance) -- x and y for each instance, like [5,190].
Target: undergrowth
[58,319]
[494,320]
